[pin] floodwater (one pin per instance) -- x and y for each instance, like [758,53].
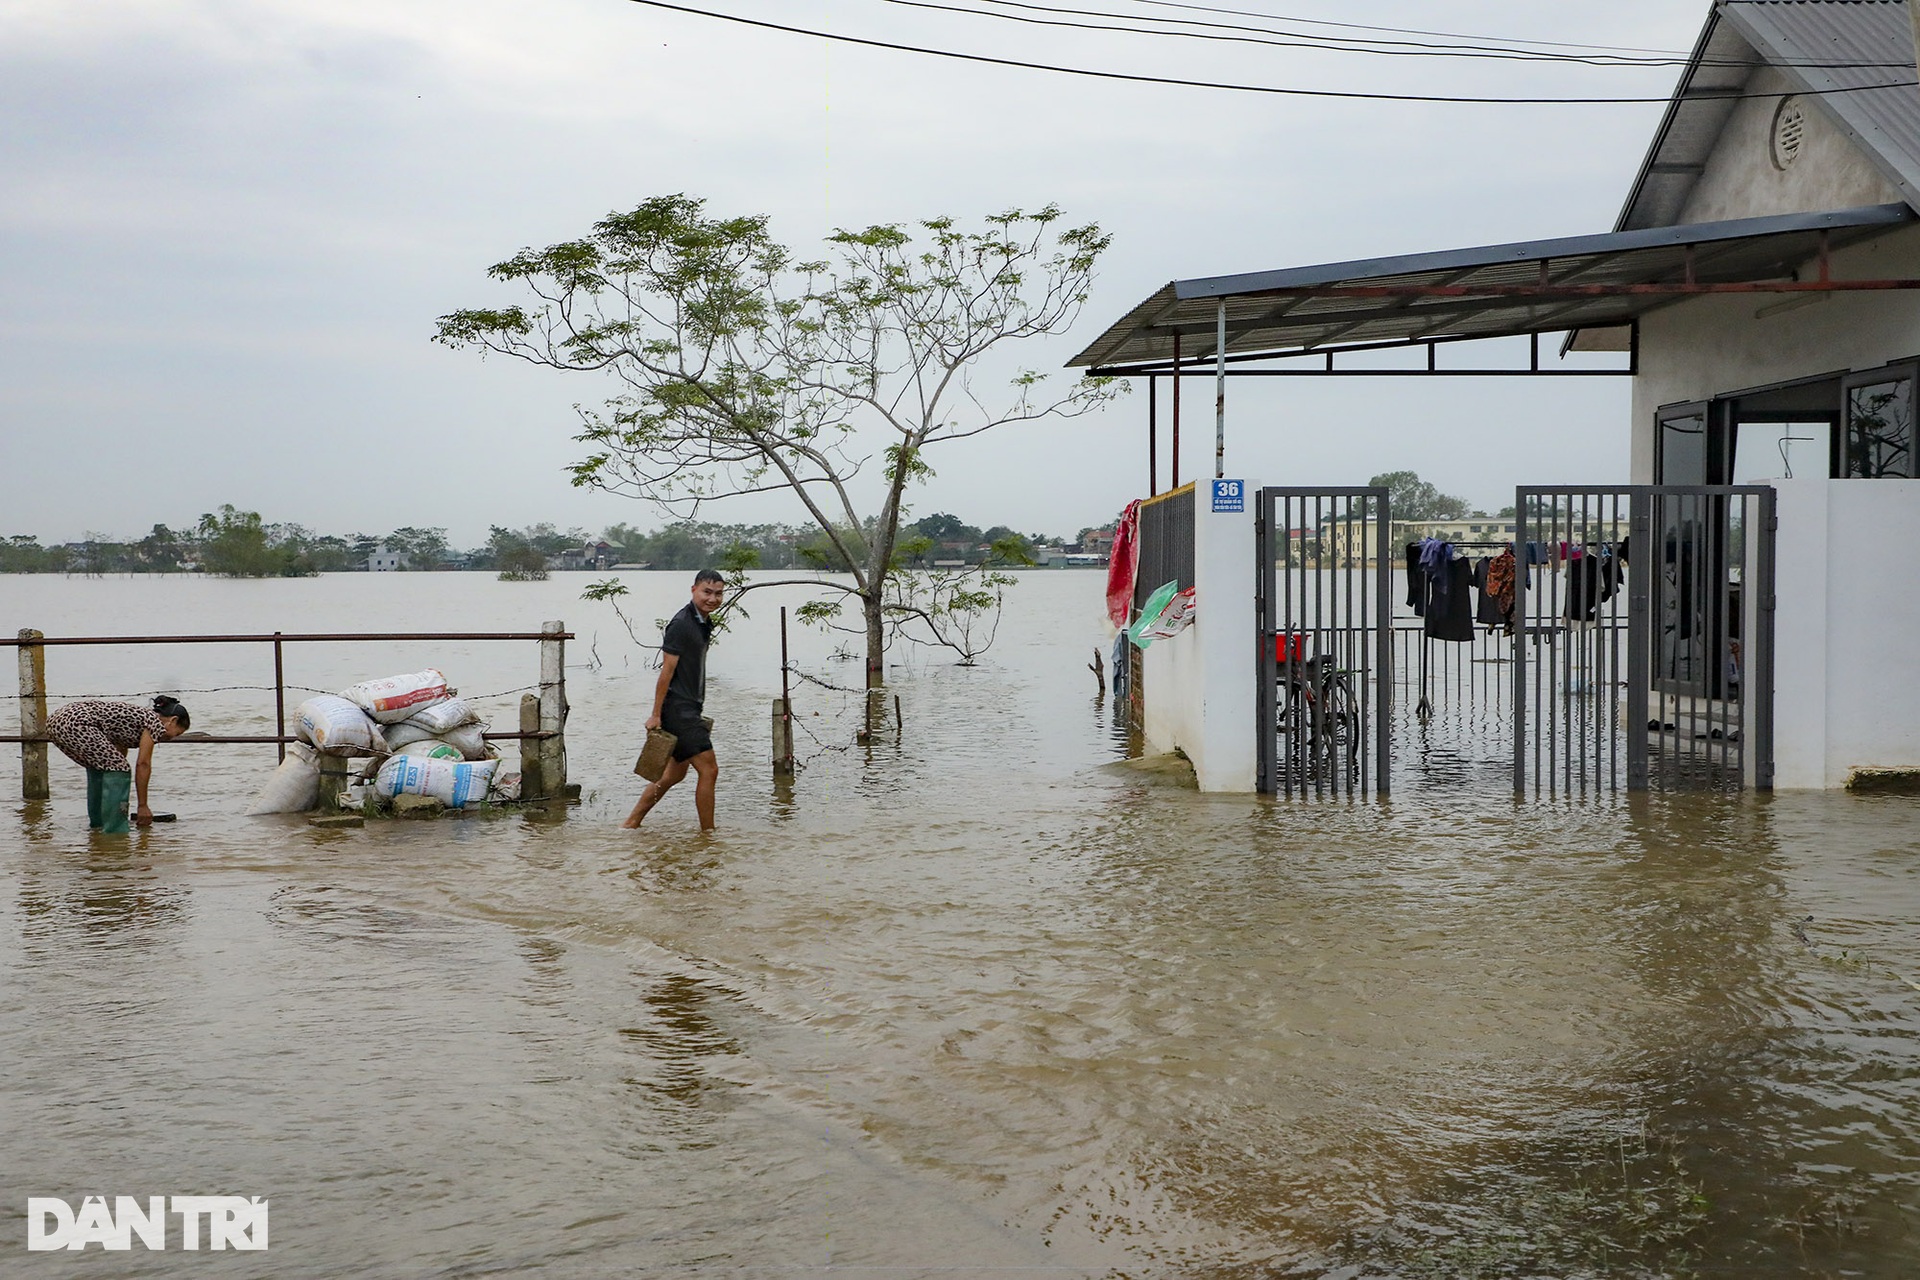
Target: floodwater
[963,1002]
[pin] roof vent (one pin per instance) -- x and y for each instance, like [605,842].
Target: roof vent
[1789,131]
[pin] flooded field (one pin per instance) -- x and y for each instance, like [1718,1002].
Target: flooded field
[969,1001]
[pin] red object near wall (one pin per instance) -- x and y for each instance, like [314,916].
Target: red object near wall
[1122,565]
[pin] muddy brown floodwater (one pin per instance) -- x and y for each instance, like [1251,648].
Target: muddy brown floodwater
[967,1002]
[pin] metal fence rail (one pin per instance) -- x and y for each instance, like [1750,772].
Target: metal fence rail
[542,720]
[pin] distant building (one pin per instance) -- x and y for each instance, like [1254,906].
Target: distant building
[384,561]
[593,555]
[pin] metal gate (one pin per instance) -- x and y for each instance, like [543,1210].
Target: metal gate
[1325,642]
[1643,639]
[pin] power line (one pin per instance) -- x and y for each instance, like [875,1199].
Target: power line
[1275,90]
[1400,31]
[1596,56]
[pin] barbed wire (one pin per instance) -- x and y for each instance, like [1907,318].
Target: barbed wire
[238,688]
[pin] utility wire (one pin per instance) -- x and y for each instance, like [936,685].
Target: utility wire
[1276,90]
[1399,31]
[1349,44]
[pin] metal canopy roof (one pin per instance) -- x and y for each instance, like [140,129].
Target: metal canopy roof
[1542,286]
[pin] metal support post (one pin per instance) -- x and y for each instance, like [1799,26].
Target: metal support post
[1153,436]
[1220,396]
[783,712]
[280,694]
[1176,411]
[34,784]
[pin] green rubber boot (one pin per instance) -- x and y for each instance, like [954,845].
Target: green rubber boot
[94,777]
[116,789]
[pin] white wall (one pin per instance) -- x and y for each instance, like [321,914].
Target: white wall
[1845,627]
[1707,347]
[1199,686]
[1742,181]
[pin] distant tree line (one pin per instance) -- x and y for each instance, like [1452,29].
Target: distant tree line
[240,544]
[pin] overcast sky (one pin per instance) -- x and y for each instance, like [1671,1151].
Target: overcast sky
[227,226]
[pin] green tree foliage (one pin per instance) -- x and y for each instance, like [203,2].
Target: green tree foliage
[1415,500]
[237,544]
[742,369]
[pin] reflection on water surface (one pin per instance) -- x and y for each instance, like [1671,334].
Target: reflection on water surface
[962,1000]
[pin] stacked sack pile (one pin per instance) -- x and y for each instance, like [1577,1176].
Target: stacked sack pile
[431,742]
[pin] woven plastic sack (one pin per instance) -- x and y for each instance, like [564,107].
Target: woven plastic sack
[454,785]
[397,698]
[336,727]
[442,716]
[432,749]
[294,787]
[469,739]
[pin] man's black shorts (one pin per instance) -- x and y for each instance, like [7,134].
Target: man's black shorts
[685,724]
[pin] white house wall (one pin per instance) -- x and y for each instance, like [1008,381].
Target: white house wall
[1742,181]
[1707,347]
[1199,685]
[1844,631]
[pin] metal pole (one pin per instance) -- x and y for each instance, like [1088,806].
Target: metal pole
[1176,411]
[34,782]
[279,695]
[783,714]
[1521,568]
[1220,396]
[1153,436]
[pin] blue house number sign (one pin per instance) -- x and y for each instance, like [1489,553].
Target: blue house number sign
[1229,497]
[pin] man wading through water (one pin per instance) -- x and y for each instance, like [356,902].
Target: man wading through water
[677,699]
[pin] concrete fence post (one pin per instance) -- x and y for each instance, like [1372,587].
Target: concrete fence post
[335,773]
[782,739]
[34,784]
[533,772]
[553,708]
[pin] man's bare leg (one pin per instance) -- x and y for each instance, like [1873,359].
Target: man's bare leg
[654,792]
[707,766]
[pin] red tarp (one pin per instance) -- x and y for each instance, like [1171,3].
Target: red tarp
[1123,566]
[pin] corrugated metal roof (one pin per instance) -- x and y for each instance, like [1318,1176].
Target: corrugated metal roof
[1792,35]
[1263,318]
[1885,122]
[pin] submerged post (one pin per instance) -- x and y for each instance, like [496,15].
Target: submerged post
[335,772]
[533,771]
[33,717]
[783,712]
[553,707]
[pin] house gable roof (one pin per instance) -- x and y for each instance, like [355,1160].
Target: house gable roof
[1827,49]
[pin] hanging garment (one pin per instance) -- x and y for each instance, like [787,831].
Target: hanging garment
[1450,613]
[1487,612]
[1416,582]
[1122,563]
[1500,579]
[1591,582]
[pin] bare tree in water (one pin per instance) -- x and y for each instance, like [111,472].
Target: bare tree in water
[745,370]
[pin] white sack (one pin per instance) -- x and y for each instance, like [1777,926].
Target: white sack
[295,786]
[397,697]
[470,739]
[454,785]
[443,716]
[432,749]
[404,733]
[337,727]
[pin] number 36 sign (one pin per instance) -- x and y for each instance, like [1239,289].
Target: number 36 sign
[1229,497]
